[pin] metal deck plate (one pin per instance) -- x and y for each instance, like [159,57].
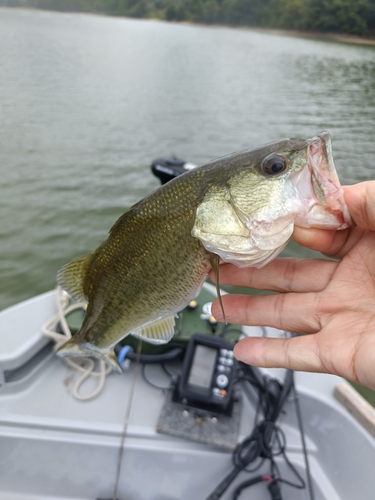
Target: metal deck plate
[201,426]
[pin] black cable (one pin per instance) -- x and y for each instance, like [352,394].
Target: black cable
[275,473]
[173,352]
[280,479]
[149,382]
[169,353]
[274,490]
[253,374]
[224,484]
[307,465]
[170,374]
[247,484]
[261,443]
[287,387]
[272,396]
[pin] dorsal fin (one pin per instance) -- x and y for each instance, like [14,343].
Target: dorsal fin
[71,277]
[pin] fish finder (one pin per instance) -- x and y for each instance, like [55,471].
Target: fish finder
[207,375]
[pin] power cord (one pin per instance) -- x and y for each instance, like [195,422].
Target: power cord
[267,440]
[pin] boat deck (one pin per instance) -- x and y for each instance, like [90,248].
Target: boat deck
[56,447]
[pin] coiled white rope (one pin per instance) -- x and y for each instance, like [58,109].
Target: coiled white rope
[84,365]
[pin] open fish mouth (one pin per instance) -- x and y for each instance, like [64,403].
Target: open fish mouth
[320,188]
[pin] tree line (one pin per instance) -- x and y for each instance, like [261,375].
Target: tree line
[355,17]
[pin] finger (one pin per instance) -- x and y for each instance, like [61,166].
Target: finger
[297,353]
[334,244]
[360,199]
[282,275]
[287,311]
[322,240]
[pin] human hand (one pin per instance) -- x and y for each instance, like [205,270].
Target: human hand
[333,302]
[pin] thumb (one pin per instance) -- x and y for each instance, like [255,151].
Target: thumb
[360,199]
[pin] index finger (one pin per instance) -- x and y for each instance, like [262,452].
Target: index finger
[281,275]
[331,243]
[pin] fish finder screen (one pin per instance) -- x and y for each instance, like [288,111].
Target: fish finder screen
[203,366]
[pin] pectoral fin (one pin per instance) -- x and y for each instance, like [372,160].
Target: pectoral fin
[159,332]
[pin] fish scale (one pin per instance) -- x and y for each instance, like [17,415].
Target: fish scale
[240,208]
[145,237]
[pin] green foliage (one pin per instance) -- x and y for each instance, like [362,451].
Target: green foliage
[244,12]
[337,16]
[180,12]
[340,15]
[290,14]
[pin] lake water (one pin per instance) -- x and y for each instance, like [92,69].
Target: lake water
[86,103]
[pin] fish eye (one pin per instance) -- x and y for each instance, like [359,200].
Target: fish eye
[274,165]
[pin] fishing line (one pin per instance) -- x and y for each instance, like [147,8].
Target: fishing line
[126,420]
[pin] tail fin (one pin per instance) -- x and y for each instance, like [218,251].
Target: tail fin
[73,349]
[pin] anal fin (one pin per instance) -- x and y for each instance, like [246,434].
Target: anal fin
[158,332]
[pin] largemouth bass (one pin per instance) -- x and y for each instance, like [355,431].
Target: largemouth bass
[241,208]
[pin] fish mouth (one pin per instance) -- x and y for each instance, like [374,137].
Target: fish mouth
[322,193]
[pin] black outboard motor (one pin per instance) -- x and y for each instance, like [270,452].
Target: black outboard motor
[169,168]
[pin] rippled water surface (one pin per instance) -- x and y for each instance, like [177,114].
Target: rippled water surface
[86,102]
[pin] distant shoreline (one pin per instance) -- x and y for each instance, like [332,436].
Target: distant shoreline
[313,35]
[333,37]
